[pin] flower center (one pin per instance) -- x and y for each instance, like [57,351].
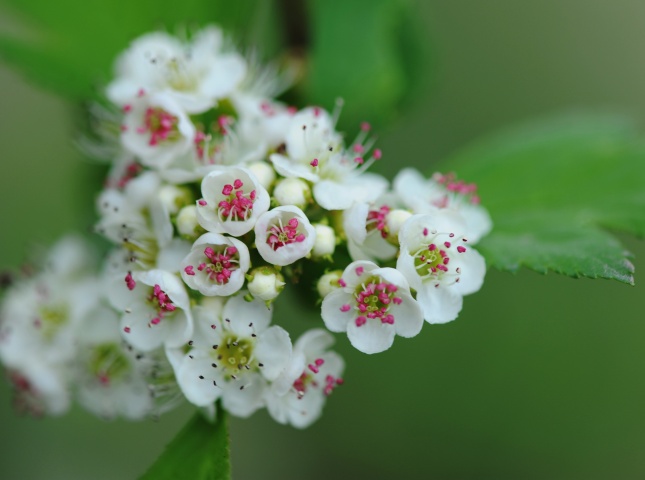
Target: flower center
[161,302]
[280,235]
[234,355]
[161,125]
[179,76]
[374,299]
[51,318]
[432,260]
[220,264]
[108,363]
[236,205]
[376,220]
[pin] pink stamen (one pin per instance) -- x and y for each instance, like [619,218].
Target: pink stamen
[314,162]
[129,281]
[461,249]
[189,270]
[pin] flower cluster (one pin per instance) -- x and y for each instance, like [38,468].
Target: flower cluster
[218,198]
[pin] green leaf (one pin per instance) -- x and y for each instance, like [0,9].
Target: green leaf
[69,46]
[364,51]
[551,187]
[200,452]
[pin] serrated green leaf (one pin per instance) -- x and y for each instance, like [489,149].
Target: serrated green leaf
[69,46]
[361,50]
[200,452]
[551,186]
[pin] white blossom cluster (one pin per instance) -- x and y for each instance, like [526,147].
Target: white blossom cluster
[218,198]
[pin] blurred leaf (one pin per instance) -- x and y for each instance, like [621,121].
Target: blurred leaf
[550,186]
[364,51]
[200,452]
[68,45]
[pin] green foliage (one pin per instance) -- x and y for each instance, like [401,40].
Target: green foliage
[364,51]
[69,46]
[552,186]
[200,452]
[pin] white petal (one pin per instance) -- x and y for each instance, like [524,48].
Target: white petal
[408,316]
[289,168]
[273,349]
[242,313]
[332,310]
[473,270]
[439,305]
[372,337]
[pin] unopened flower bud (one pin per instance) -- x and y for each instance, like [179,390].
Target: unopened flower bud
[325,243]
[394,220]
[265,283]
[264,173]
[174,198]
[292,191]
[328,283]
[187,223]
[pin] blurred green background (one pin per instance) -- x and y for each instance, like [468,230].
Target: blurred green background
[541,377]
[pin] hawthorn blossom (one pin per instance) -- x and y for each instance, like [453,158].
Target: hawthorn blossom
[40,318]
[372,305]
[297,397]
[284,235]
[216,265]
[233,199]
[156,130]
[114,379]
[156,309]
[234,358]
[439,264]
[368,236]
[440,192]
[314,152]
[194,75]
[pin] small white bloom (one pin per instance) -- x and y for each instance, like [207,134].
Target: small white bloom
[194,75]
[234,359]
[156,309]
[367,233]
[115,380]
[284,235]
[233,201]
[265,283]
[444,192]
[216,265]
[439,265]
[157,131]
[292,191]
[298,396]
[372,305]
[315,153]
[325,244]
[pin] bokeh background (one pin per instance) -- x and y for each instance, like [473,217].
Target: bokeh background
[541,377]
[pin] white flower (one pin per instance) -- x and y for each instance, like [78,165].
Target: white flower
[156,309]
[284,235]
[156,130]
[314,152]
[195,75]
[216,265]
[439,265]
[39,321]
[372,305]
[138,219]
[444,192]
[113,379]
[298,396]
[367,232]
[233,201]
[235,357]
